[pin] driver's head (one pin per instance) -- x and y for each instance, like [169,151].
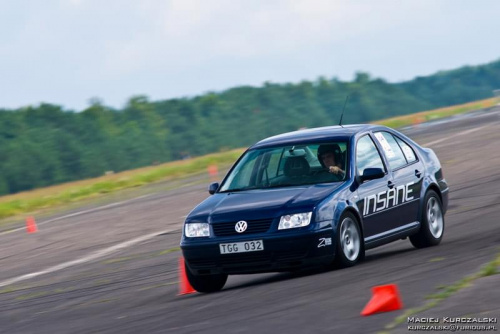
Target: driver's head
[329,155]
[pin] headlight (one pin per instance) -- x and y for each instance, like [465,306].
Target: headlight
[296,220]
[193,230]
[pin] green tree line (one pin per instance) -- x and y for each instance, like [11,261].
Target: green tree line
[45,144]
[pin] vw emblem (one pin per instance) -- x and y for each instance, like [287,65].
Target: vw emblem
[241,226]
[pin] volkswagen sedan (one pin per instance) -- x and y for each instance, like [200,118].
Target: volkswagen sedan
[314,197]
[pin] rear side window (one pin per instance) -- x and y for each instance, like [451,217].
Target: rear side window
[392,151]
[367,155]
[407,150]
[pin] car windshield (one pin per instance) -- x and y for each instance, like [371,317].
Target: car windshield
[291,165]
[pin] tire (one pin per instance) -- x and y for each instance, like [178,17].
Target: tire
[350,244]
[432,224]
[206,283]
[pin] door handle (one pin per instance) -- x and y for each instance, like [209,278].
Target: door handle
[390,184]
[418,173]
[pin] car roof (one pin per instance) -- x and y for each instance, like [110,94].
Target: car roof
[325,133]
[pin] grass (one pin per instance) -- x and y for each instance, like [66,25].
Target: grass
[49,197]
[141,256]
[425,116]
[59,195]
[12,288]
[491,268]
[157,286]
[168,251]
[33,295]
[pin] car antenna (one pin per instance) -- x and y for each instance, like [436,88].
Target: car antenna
[346,98]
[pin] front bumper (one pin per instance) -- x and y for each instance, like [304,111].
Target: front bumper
[283,251]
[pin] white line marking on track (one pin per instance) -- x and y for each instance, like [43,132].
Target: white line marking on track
[454,135]
[78,213]
[90,257]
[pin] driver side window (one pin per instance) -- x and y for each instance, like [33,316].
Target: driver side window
[367,155]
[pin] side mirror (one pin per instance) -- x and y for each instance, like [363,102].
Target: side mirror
[212,188]
[372,174]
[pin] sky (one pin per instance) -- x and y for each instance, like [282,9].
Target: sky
[69,51]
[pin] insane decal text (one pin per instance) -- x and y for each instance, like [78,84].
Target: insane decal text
[387,199]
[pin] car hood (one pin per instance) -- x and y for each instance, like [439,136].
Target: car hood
[260,203]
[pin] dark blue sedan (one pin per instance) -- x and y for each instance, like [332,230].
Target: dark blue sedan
[314,197]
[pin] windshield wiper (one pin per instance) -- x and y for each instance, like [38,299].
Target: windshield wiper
[283,185]
[237,189]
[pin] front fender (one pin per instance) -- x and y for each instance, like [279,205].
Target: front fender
[330,211]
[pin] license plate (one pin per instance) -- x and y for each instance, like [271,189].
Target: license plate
[242,247]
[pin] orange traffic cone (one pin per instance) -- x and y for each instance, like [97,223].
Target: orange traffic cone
[31,225]
[213,172]
[184,288]
[385,298]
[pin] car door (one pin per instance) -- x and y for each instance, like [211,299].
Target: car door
[407,175]
[371,194]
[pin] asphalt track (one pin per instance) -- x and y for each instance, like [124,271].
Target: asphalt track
[134,289]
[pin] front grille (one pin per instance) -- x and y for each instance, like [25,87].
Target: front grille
[250,262]
[246,258]
[254,226]
[202,263]
[258,257]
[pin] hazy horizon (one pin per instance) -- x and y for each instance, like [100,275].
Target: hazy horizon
[66,52]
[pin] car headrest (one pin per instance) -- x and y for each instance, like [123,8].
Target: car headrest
[296,166]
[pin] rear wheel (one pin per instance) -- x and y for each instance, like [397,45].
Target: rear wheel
[432,224]
[206,283]
[350,245]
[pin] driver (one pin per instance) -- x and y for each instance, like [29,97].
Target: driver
[330,157]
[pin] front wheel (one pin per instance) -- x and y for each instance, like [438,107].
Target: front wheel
[350,244]
[432,225]
[206,283]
